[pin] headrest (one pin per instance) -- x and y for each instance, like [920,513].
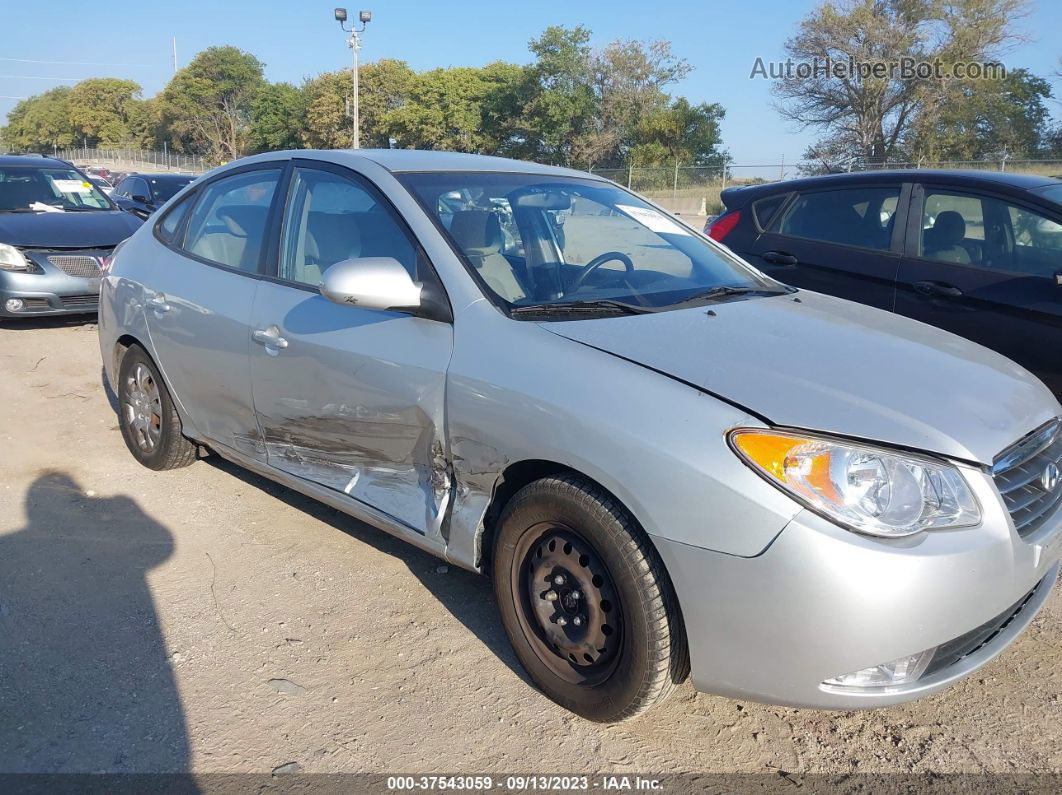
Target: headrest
[243,220]
[476,231]
[949,228]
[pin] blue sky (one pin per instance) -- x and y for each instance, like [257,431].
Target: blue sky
[300,38]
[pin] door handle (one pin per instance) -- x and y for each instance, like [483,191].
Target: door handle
[158,303]
[779,258]
[938,289]
[270,337]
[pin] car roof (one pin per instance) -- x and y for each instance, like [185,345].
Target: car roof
[403,160]
[739,195]
[33,160]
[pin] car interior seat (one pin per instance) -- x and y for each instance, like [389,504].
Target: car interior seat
[478,234]
[945,239]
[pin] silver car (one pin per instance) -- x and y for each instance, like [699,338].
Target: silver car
[664,459]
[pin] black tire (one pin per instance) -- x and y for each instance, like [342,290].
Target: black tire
[603,556]
[150,425]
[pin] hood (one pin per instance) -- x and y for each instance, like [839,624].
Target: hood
[834,366]
[103,228]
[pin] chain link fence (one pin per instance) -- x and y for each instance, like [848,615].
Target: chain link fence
[135,159]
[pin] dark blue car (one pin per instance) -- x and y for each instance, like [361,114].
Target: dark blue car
[57,231]
[976,253]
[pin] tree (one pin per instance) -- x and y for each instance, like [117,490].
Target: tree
[383,87]
[277,115]
[207,105]
[868,116]
[41,123]
[327,124]
[446,109]
[679,133]
[102,110]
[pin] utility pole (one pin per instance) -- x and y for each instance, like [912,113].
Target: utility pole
[354,42]
[175,55]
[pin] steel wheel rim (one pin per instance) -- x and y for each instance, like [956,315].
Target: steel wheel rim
[584,651]
[142,407]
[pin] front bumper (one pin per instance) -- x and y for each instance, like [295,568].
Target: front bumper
[822,601]
[47,290]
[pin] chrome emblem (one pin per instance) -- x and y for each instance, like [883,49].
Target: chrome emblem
[1050,477]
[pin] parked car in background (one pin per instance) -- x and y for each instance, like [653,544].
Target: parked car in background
[142,194]
[102,184]
[662,456]
[978,253]
[57,232]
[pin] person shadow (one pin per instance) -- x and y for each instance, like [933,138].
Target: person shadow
[86,684]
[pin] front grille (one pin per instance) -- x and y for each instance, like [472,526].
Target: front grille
[1023,475]
[79,300]
[956,650]
[76,265]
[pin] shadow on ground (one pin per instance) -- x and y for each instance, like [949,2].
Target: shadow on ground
[468,596]
[85,680]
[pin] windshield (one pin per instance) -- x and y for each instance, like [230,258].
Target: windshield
[163,190]
[562,244]
[29,189]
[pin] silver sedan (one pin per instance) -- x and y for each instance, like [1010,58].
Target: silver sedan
[664,459]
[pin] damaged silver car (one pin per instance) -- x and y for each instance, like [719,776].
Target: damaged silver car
[664,459]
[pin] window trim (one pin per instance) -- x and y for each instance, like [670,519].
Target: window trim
[196,194]
[896,242]
[913,243]
[787,198]
[270,267]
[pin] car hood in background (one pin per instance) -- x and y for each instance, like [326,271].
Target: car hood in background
[830,365]
[91,229]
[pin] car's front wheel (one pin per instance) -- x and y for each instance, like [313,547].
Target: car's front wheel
[148,420]
[586,601]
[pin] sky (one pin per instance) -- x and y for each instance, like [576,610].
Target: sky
[300,38]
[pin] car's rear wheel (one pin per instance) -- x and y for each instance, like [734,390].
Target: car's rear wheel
[586,601]
[148,420]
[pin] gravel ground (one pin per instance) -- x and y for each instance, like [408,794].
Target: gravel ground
[207,620]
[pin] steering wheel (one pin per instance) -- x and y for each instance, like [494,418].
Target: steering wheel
[597,262]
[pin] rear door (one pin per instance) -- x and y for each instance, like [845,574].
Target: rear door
[840,241]
[984,266]
[198,297]
[347,397]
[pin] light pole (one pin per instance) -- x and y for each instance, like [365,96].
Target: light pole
[354,42]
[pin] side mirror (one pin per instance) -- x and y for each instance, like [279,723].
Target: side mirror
[138,198]
[380,283]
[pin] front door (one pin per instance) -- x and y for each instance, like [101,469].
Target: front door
[984,267]
[350,398]
[198,297]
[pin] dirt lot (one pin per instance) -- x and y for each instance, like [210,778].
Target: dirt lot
[206,619]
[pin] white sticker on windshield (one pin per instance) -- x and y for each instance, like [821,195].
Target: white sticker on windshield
[72,186]
[652,219]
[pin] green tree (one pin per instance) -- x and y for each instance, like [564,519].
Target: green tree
[277,116]
[207,105]
[327,124]
[679,133]
[41,122]
[101,110]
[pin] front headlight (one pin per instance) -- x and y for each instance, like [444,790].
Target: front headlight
[864,488]
[11,259]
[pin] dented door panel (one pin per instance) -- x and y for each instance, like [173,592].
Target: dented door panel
[355,401]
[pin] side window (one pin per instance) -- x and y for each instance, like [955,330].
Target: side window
[862,217]
[1037,243]
[138,187]
[169,225]
[330,218]
[120,188]
[228,223]
[953,228]
[764,209]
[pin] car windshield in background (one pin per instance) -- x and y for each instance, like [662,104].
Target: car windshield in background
[162,190]
[29,189]
[559,246]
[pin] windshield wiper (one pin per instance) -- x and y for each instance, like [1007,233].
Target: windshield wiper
[580,307]
[726,291]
